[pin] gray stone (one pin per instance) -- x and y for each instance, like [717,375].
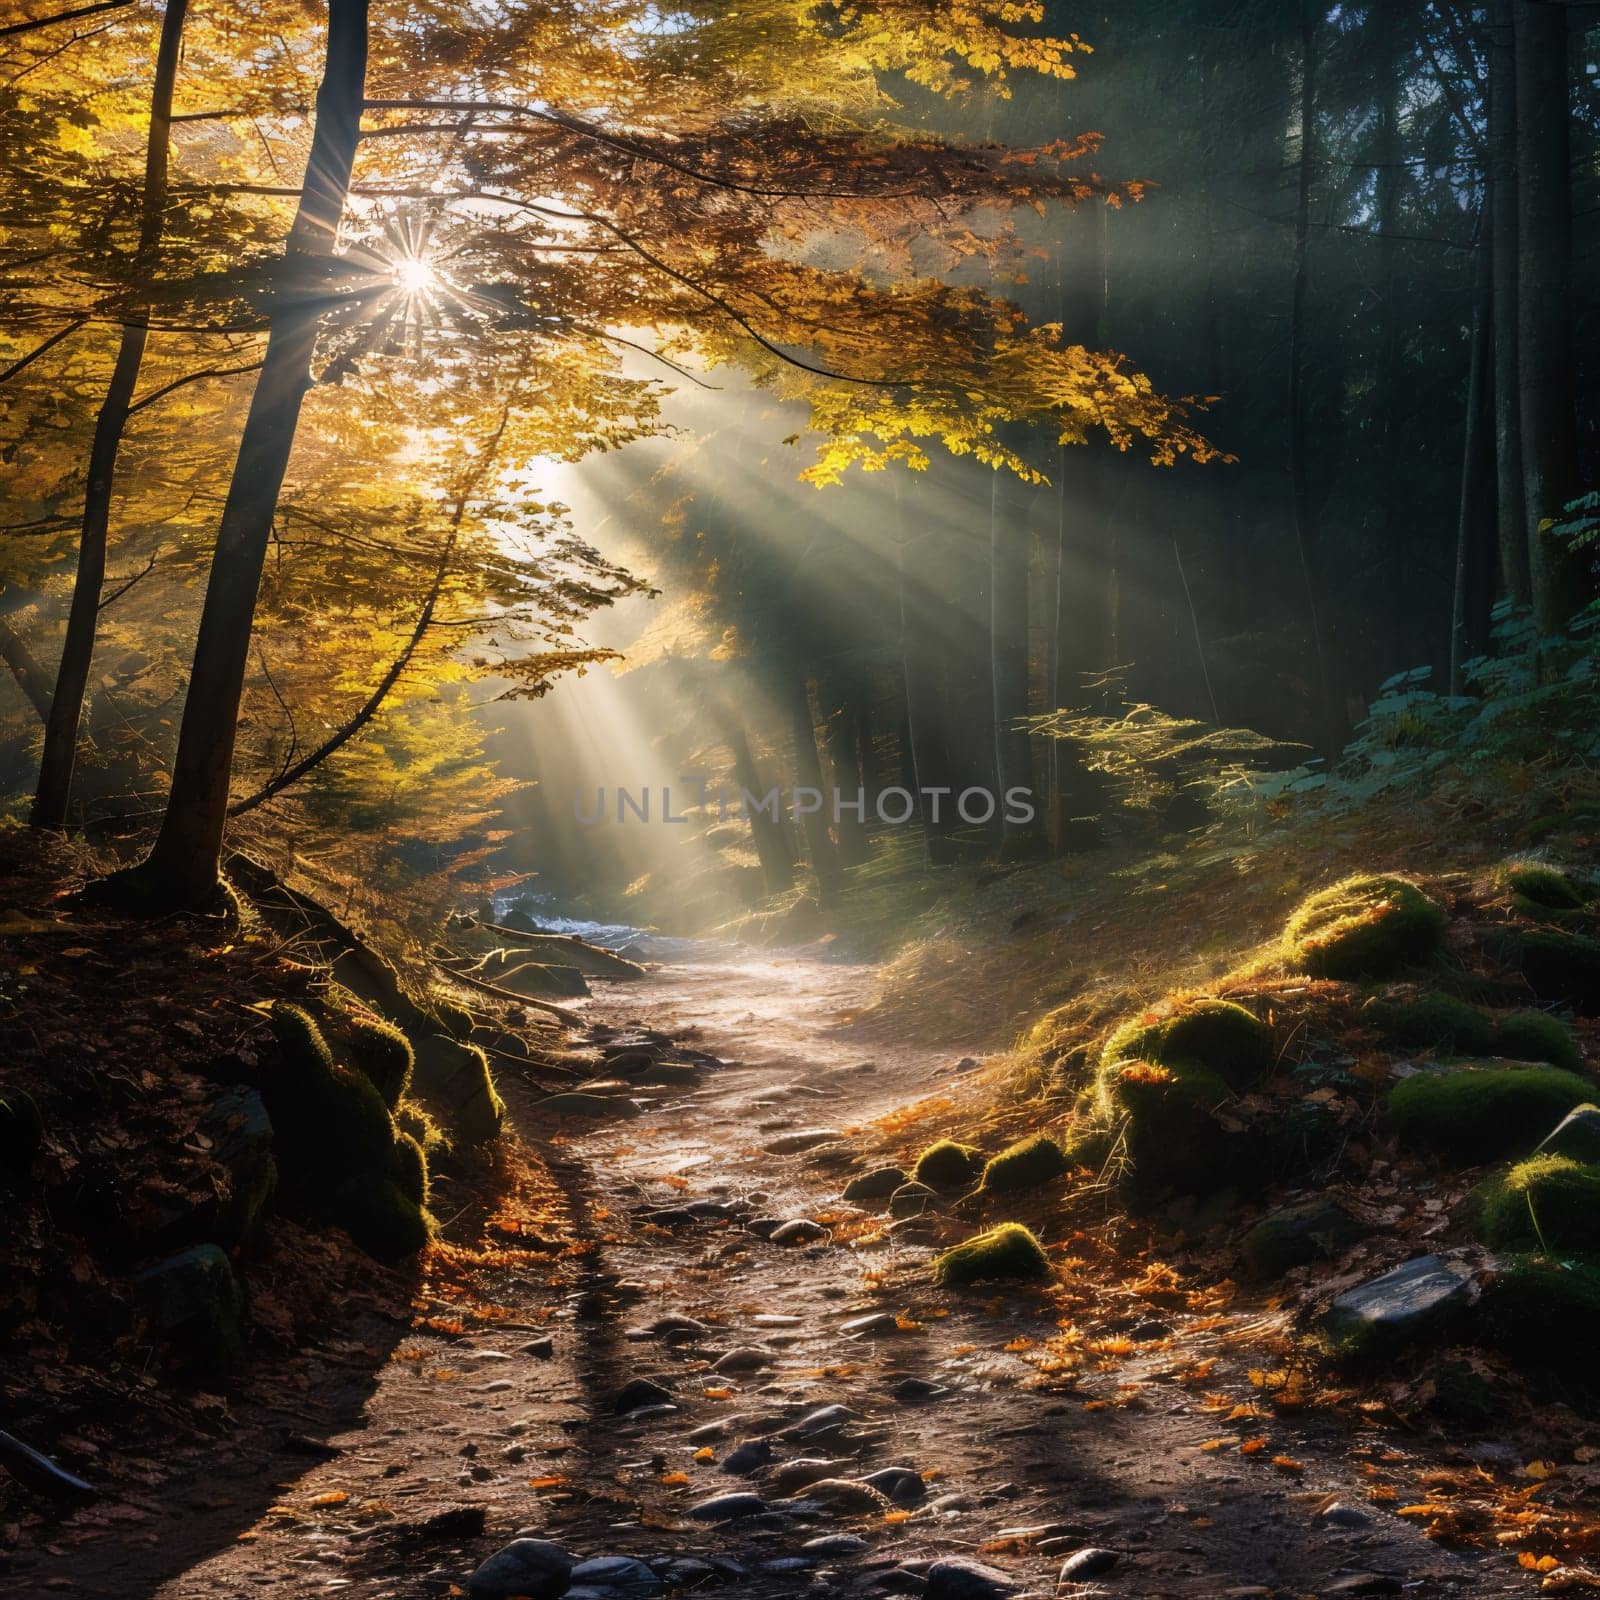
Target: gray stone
[835,1545]
[1091,1562]
[1399,1308]
[619,1575]
[751,1456]
[871,1326]
[802,1230]
[240,1131]
[533,1567]
[914,1391]
[849,1496]
[790,1144]
[1361,1583]
[824,1420]
[1576,1136]
[961,1578]
[876,1185]
[794,1476]
[746,1358]
[1292,1235]
[638,1393]
[728,1508]
[1343,1516]
[901,1484]
[192,1299]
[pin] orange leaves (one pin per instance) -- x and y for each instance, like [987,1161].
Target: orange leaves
[1251,1447]
[552,1480]
[1288,1464]
[705,1453]
[333,1497]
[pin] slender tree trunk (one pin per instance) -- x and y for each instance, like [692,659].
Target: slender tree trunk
[925,760]
[1546,374]
[1475,544]
[1332,718]
[808,775]
[1396,609]
[766,830]
[1008,654]
[1511,509]
[844,761]
[182,869]
[31,677]
[59,755]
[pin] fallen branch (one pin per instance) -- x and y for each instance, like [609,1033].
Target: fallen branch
[570,1017]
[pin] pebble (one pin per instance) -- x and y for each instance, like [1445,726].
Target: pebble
[967,1064]
[751,1456]
[498,1386]
[847,1495]
[831,1545]
[825,1419]
[870,1326]
[541,1348]
[747,1358]
[911,1200]
[775,1319]
[802,1230]
[533,1567]
[675,1328]
[913,1391]
[621,1576]
[728,1508]
[878,1184]
[961,1578]
[793,1476]
[1361,1583]
[638,1393]
[901,1484]
[1343,1516]
[1090,1562]
[790,1144]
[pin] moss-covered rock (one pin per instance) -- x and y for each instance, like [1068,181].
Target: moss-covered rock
[1472,1114]
[1548,1203]
[1165,1117]
[1542,1313]
[1364,927]
[455,1080]
[453,1018]
[1218,1035]
[1540,890]
[383,1053]
[1293,1235]
[191,1300]
[1456,1393]
[386,1222]
[1431,1021]
[948,1166]
[411,1168]
[1027,1164]
[1536,1036]
[21,1134]
[413,1119]
[1009,1251]
[1561,968]
[1400,1308]
[1576,1136]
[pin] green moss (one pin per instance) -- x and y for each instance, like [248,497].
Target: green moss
[456,1082]
[1025,1165]
[1009,1251]
[334,1141]
[948,1165]
[1474,1114]
[1537,889]
[1462,1395]
[410,1118]
[1216,1034]
[383,1053]
[1293,1235]
[1559,967]
[1535,1036]
[1092,1148]
[1547,1203]
[451,1015]
[1171,1137]
[1433,1022]
[21,1133]
[1364,927]
[1542,1313]
[411,1168]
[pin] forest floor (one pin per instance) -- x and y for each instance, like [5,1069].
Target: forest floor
[492,1399]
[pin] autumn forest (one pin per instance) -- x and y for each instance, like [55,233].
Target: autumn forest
[799,799]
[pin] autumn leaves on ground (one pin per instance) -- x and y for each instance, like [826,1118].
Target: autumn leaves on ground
[1273,1281]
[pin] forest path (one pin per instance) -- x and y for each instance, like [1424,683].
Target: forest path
[434,1461]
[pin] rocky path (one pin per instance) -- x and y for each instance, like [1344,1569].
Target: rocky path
[744,1386]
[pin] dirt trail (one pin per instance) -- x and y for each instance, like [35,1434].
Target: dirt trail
[496,1424]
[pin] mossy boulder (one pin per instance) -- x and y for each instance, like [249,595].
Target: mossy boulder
[339,1155]
[1165,1115]
[1542,1314]
[948,1166]
[383,1053]
[191,1301]
[1576,1136]
[1547,1203]
[1537,1036]
[1431,1021]
[1539,890]
[1561,968]
[1471,1114]
[1008,1251]
[1218,1035]
[413,1119]
[1293,1235]
[1456,1393]
[1027,1164]
[411,1168]
[1364,927]
[453,1018]
[455,1080]
[21,1134]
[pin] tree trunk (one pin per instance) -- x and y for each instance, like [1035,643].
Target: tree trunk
[1331,714]
[1546,375]
[766,830]
[1008,655]
[1475,545]
[840,728]
[1511,511]
[808,775]
[925,761]
[30,676]
[182,869]
[56,761]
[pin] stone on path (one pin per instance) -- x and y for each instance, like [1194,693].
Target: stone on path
[638,1393]
[1091,1562]
[875,1185]
[792,1144]
[1396,1309]
[728,1508]
[802,1230]
[536,1568]
[620,1576]
[962,1578]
